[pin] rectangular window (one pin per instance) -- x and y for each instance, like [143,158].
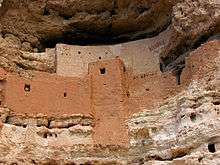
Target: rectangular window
[27,87]
[102,71]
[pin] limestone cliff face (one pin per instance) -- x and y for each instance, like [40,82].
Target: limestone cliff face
[15,57]
[44,23]
[41,24]
[182,129]
[193,23]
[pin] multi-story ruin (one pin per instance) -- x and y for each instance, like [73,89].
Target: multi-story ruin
[109,83]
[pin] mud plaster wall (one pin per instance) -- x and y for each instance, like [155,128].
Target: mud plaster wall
[48,94]
[108,98]
[149,90]
[73,60]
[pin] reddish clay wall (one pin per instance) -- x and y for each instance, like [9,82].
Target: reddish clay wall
[108,97]
[202,61]
[148,90]
[48,94]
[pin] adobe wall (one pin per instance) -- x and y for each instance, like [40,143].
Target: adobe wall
[73,60]
[108,96]
[149,90]
[48,94]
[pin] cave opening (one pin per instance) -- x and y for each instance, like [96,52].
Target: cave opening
[216,102]
[211,148]
[193,117]
[177,56]
[46,12]
[82,37]
[45,135]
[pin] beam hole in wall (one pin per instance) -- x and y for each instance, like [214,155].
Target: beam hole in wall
[27,87]
[102,71]
[124,69]
[79,52]
[128,94]
[100,58]
[211,148]
[64,94]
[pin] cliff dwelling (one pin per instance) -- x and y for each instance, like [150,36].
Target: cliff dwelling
[109,82]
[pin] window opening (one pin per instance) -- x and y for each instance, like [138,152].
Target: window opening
[102,70]
[27,87]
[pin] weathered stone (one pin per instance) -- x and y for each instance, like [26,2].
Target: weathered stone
[43,23]
[26,46]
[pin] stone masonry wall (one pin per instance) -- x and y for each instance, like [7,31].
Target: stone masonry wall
[73,60]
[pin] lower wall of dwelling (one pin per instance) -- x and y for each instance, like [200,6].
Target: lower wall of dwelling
[47,93]
[102,96]
[108,97]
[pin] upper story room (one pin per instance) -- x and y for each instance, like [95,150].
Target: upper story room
[139,57]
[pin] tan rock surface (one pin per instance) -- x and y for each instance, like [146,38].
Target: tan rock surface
[15,60]
[192,24]
[45,22]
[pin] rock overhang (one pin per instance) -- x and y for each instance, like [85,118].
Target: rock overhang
[83,22]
